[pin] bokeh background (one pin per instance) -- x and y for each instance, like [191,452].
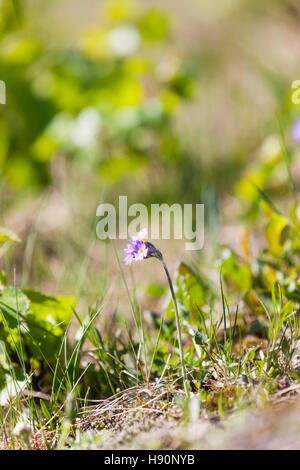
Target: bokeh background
[167,101]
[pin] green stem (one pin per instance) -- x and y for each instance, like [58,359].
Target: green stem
[177,326]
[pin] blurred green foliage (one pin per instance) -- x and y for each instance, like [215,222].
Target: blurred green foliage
[106,101]
[252,276]
[32,328]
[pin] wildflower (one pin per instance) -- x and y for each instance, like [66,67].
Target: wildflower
[296,131]
[138,248]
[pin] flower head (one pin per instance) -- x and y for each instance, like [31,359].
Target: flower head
[138,248]
[296,131]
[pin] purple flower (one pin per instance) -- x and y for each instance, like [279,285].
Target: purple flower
[296,131]
[137,248]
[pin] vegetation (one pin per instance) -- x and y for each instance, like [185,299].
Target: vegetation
[89,350]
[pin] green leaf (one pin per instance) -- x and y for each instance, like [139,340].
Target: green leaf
[47,320]
[236,270]
[250,354]
[45,410]
[17,50]
[273,233]
[50,308]
[14,306]
[2,278]
[7,235]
